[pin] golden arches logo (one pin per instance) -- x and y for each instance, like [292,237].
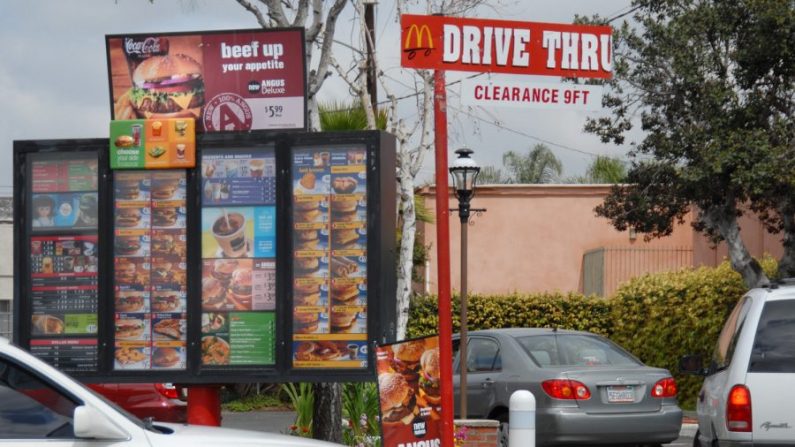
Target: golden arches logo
[418,32]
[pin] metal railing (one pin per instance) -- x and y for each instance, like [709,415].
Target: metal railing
[605,268]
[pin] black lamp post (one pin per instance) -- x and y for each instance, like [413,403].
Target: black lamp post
[465,173]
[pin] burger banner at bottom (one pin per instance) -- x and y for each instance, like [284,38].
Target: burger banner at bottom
[153,144]
[409,391]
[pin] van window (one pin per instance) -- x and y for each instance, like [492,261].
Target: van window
[727,340]
[774,343]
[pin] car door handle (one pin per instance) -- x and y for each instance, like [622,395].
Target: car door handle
[487,383]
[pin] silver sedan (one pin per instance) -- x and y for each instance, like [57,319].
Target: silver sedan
[588,390]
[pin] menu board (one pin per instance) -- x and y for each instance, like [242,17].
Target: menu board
[150,279]
[238,321]
[329,246]
[63,262]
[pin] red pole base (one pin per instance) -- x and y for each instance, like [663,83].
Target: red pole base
[204,406]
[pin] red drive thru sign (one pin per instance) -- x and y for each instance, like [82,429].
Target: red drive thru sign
[504,46]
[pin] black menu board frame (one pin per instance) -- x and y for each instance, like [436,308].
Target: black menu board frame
[377,272]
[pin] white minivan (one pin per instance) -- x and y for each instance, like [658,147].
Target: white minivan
[748,395]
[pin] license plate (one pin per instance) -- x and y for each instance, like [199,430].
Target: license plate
[619,394]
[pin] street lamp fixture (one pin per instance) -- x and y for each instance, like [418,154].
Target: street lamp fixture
[465,173]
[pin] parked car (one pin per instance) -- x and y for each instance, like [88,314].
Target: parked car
[163,402]
[588,390]
[749,385]
[40,405]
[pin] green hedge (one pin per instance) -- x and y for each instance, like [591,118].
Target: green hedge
[658,317]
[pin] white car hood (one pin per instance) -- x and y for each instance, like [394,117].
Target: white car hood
[198,435]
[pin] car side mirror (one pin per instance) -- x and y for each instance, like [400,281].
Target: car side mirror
[692,364]
[91,424]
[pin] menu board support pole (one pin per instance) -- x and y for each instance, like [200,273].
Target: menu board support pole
[204,405]
[443,257]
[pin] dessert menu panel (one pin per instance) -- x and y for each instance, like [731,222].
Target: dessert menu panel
[238,320]
[63,262]
[329,248]
[150,280]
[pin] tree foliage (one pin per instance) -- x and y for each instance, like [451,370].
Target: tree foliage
[712,83]
[540,165]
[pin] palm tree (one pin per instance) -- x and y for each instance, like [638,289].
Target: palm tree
[490,175]
[540,165]
[603,170]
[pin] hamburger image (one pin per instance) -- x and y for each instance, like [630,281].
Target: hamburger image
[306,295]
[124,141]
[346,205]
[343,320]
[129,328]
[240,289]
[223,269]
[397,399]
[128,189]
[164,217]
[162,245]
[213,294]
[165,301]
[307,266]
[306,239]
[128,217]
[305,323]
[127,245]
[342,293]
[168,86]
[345,238]
[429,377]
[129,303]
[307,211]
[406,359]
[164,189]
[165,357]
[125,272]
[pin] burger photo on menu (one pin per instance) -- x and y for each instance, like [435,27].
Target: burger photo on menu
[165,216]
[306,294]
[167,244]
[343,209]
[306,322]
[429,377]
[398,403]
[345,239]
[213,294]
[321,350]
[130,302]
[342,320]
[307,211]
[129,273]
[128,217]
[307,240]
[127,189]
[47,325]
[344,185]
[130,329]
[164,189]
[166,357]
[169,86]
[344,293]
[166,301]
[406,359]
[307,265]
[222,269]
[240,289]
[127,245]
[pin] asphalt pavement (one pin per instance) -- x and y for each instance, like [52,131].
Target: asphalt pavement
[280,421]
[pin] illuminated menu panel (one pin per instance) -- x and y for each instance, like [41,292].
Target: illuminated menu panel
[238,257]
[329,247]
[63,262]
[150,278]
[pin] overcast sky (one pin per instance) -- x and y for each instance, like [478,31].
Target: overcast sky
[53,75]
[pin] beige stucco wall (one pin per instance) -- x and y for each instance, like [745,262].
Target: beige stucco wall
[533,237]
[6,261]
[756,238]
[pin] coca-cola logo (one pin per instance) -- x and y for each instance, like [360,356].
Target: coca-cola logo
[147,47]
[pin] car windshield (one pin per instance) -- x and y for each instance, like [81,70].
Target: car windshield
[774,344]
[574,350]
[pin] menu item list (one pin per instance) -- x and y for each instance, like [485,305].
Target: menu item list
[238,257]
[150,278]
[63,262]
[329,236]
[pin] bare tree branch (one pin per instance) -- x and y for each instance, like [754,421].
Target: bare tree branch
[254,10]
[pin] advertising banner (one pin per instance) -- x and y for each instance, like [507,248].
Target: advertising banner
[488,92]
[153,144]
[227,80]
[503,46]
[410,392]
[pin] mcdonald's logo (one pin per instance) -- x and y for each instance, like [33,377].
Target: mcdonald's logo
[418,32]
